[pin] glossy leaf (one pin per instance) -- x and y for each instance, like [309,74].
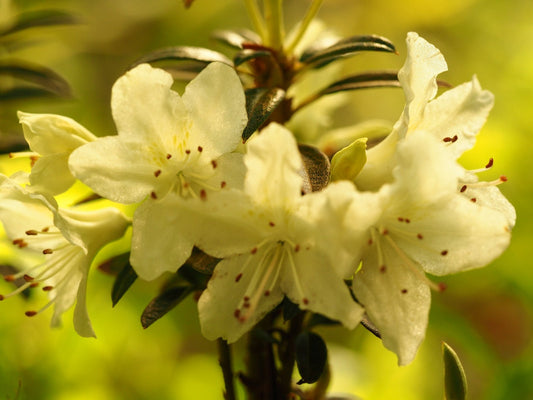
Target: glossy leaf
[311,356]
[33,19]
[454,375]
[123,282]
[236,38]
[249,54]
[289,309]
[347,47]
[163,303]
[364,81]
[317,168]
[202,262]
[44,78]
[184,53]
[260,103]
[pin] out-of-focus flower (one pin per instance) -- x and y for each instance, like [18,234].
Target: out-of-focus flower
[68,239]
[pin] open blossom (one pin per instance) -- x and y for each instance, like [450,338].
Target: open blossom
[68,240]
[277,242]
[427,225]
[52,138]
[169,149]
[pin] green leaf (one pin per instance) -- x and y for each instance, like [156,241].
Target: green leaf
[289,309]
[123,282]
[33,19]
[317,168]
[348,162]
[311,356]
[364,81]
[260,103]
[454,375]
[202,262]
[35,74]
[163,303]
[236,38]
[248,54]
[346,47]
[184,53]
[114,265]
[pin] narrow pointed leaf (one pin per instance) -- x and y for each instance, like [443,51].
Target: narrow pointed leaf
[123,282]
[202,262]
[317,168]
[454,375]
[114,265]
[364,81]
[236,38]
[260,103]
[33,19]
[37,75]
[289,309]
[163,303]
[347,47]
[311,356]
[184,53]
[248,54]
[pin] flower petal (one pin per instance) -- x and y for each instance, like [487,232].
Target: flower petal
[82,323]
[50,173]
[216,104]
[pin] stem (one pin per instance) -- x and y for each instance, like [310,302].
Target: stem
[256,17]
[311,13]
[274,20]
[225,361]
[288,357]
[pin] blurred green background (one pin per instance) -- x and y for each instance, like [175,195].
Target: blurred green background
[486,315]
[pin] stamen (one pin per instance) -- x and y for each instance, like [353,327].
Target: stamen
[169,156]
[490,163]
[200,149]
[157,173]
[238,277]
[48,251]
[222,184]
[214,163]
[23,154]
[31,232]
[153,195]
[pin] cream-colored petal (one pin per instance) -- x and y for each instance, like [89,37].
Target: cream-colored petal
[50,173]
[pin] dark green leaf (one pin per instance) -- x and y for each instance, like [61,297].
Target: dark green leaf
[364,81]
[236,38]
[260,103]
[115,264]
[34,19]
[370,326]
[316,168]
[197,279]
[289,309]
[123,282]
[346,47]
[454,375]
[202,262]
[163,303]
[311,356]
[37,75]
[184,53]
[248,54]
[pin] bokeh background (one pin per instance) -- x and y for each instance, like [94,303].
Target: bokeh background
[486,315]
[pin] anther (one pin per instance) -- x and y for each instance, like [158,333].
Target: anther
[47,288]
[237,313]
[370,242]
[254,250]
[31,232]
[34,284]
[28,278]
[442,286]
[305,301]
[33,160]
[48,251]
[203,194]
[238,277]
[200,149]
[400,219]
[9,278]
[463,188]
[383,269]
[169,156]
[45,229]
[419,236]
[157,173]
[271,224]
[297,248]
[384,232]
[30,313]
[490,163]
[443,252]
[222,184]
[214,163]
[153,195]
[267,293]
[503,178]
[407,221]
[404,291]
[1,297]
[187,152]
[473,199]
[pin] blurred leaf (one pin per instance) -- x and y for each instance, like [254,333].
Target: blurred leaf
[125,279]
[454,375]
[260,103]
[369,326]
[316,168]
[289,309]
[163,303]
[202,262]
[349,161]
[114,265]
[33,19]
[346,47]
[311,356]
[236,38]
[184,53]
[248,54]
[35,74]
[364,81]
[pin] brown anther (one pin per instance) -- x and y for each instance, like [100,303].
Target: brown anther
[254,250]
[404,291]
[442,286]
[28,278]
[267,293]
[383,269]
[506,229]
[33,160]
[34,284]
[384,232]
[419,235]
[9,278]
[47,288]
[203,194]
[297,248]
[246,299]
[185,185]
[153,195]
[157,173]
[30,313]
[169,156]
[237,313]
[187,152]
[246,305]
[238,277]
[45,229]
[443,252]
[271,224]
[463,188]
[454,139]
[370,242]
[200,149]
[11,155]
[305,301]
[1,297]
[503,178]
[447,139]
[48,251]
[17,241]
[223,184]
[214,163]
[400,219]
[490,163]
[407,221]
[473,199]
[31,232]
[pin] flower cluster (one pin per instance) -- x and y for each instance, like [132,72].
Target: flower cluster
[362,244]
